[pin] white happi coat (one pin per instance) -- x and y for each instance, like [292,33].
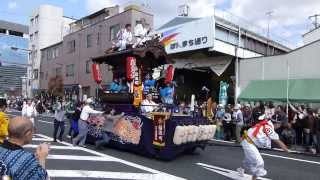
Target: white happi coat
[124,38]
[148,106]
[253,161]
[140,34]
[29,112]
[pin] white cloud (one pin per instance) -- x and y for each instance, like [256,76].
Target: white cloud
[12,5]
[95,5]
[289,18]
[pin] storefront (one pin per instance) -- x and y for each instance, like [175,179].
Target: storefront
[189,44]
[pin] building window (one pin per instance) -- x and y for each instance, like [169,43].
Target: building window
[58,71]
[49,54]
[98,38]
[71,46]
[89,40]
[30,55]
[41,75]
[35,54]
[3,31]
[31,21]
[31,37]
[36,19]
[43,55]
[88,70]
[55,52]
[70,70]
[15,33]
[36,35]
[113,31]
[35,74]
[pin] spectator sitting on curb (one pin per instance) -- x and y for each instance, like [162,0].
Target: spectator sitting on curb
[18,163]
[288,135]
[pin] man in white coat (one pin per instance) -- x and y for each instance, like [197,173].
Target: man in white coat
[148,105]
[140,33]
[83,124]
[124,37]
[258,136]
[29,111]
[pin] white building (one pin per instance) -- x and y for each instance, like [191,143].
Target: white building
[294,76]
[47,27]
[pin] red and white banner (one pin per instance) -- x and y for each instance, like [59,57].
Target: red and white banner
[131,68]
[96,73]
[169,74]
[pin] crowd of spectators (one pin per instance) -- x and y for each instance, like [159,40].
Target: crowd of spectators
[299,126]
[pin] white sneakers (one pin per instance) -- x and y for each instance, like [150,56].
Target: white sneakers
[240,171]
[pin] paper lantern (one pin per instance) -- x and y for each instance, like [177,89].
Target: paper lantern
[169,74]
[130,67]
[96,73]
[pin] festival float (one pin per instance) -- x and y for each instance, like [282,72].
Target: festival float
[163,133]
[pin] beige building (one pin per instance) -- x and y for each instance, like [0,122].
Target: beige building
[47,26]
[89,37]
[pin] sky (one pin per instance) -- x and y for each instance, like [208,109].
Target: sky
[288,20]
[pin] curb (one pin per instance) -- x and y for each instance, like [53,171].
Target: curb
[233,144]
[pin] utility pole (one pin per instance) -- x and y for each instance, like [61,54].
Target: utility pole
[236,92]
[315,18]
[269,14]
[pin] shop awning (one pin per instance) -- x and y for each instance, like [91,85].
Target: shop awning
[299,90]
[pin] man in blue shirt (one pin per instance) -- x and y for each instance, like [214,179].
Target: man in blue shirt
[17,163]
[167,94]
[115,87]
[148,85]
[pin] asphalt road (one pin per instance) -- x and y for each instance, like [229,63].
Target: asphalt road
[217,161]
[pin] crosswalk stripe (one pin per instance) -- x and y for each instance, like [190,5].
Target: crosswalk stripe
[45,122]
[41,139]
[55,147]
[81,158]
[157,174]
[100,174]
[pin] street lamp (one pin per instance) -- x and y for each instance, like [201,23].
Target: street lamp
[32,57]
[24,81]
[17,48]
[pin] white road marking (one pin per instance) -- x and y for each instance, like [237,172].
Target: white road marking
[101,174]
[55,147]
[81,158]
[227,172]
[292,151]
[45,122]
[41,139]
[157,174]
[289,158]
[229,142]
